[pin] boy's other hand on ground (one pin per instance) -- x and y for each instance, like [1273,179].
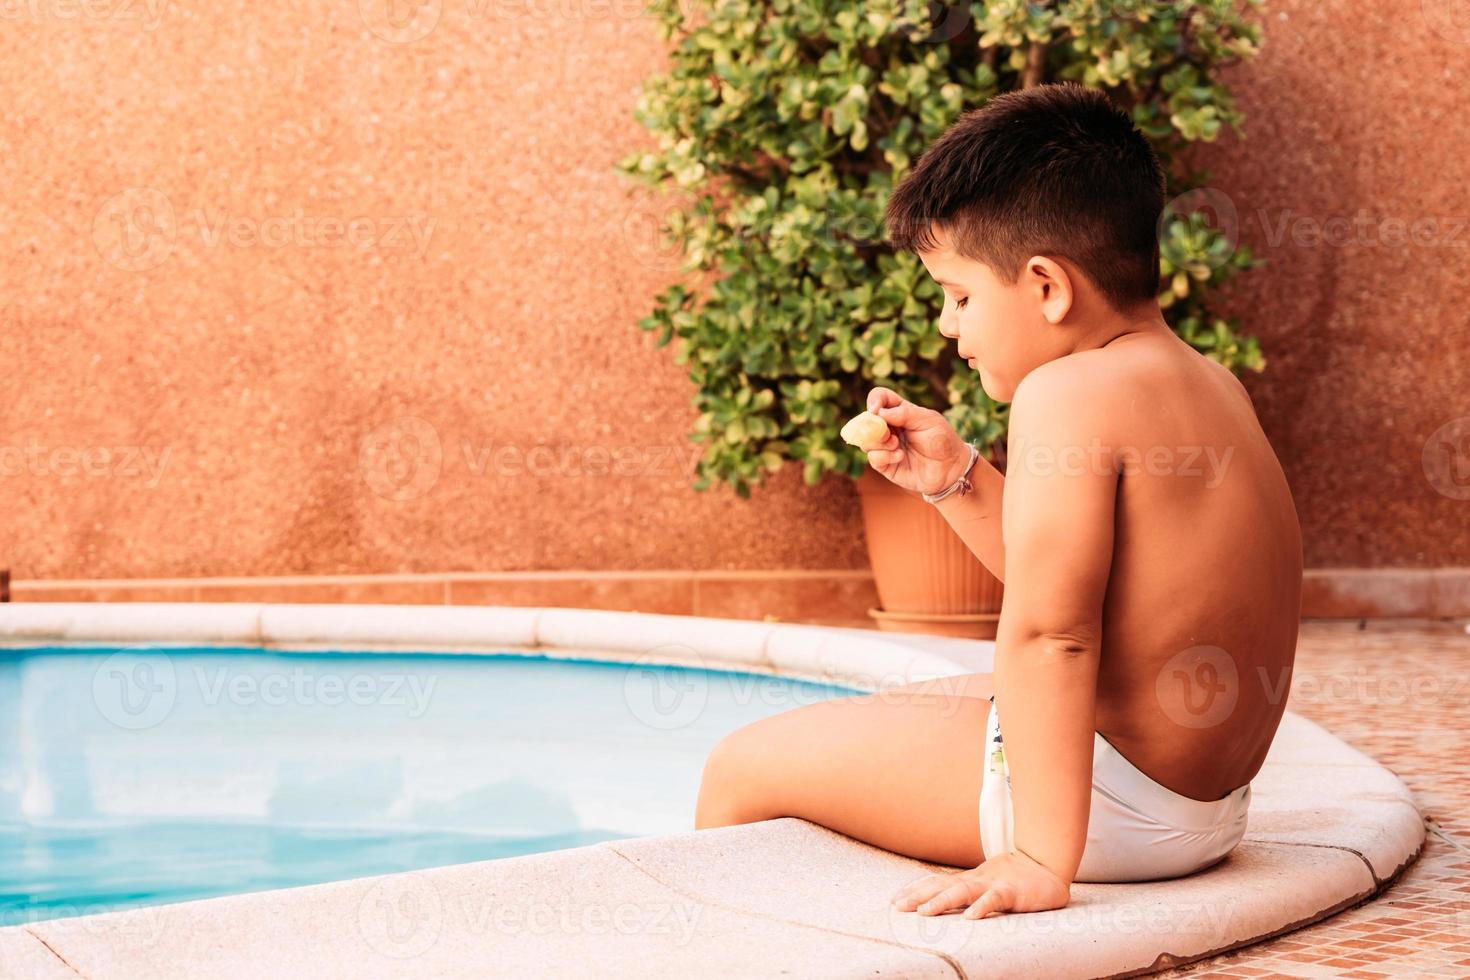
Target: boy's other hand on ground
[923,452]
[1005,883]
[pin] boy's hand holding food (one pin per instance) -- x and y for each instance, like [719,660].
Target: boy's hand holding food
[921,451]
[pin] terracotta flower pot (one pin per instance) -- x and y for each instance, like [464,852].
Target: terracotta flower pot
[927,580]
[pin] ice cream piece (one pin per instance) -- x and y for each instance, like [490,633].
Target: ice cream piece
[864,431]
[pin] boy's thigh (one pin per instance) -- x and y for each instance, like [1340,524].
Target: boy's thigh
[900,769]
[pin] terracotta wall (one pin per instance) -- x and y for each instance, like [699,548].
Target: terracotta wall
[349,287]
[1351,183]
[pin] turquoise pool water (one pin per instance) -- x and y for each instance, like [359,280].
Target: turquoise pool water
[137,776]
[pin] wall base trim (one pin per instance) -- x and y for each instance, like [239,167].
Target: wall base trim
[783,594]
[795,594]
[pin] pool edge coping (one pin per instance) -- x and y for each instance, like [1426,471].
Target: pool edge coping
[855,657]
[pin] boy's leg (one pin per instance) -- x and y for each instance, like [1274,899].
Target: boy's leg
[900,770]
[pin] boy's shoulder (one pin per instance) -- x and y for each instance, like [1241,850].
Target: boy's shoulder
[1081,372]
[1078,392]
[1096,389]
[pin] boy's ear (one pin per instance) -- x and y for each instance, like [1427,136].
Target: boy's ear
[1051,284]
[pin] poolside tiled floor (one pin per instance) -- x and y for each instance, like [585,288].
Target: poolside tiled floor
[1400,692]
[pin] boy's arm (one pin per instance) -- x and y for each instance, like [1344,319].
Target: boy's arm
[976,516]
[1061,490]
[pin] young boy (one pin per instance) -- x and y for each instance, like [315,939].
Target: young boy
[1143,528]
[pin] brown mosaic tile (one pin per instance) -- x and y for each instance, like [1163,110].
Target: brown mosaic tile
[1400,691]
[411,592]
[826,595]
[23,592]
[1352,592]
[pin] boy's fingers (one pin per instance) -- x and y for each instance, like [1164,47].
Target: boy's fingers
[882,459]
[903,414]
[991,901]
[921,891]
[955,896]
[882,398]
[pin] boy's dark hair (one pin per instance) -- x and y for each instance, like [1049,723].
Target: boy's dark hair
[1048,170]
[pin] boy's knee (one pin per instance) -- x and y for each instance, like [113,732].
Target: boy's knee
[728,786]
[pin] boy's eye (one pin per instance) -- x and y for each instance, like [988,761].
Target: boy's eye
[959,304]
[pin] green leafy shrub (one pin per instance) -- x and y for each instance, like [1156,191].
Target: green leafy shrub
[784,124]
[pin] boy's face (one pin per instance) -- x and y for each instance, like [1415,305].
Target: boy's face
[1003,331]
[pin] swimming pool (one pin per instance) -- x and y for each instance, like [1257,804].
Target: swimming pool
[142,775]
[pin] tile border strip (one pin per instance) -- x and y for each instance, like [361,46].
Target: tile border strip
[833,594]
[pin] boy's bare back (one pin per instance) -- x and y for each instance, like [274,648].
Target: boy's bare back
[1201,609]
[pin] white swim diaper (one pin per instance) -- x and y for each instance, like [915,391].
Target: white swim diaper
[1138,830]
